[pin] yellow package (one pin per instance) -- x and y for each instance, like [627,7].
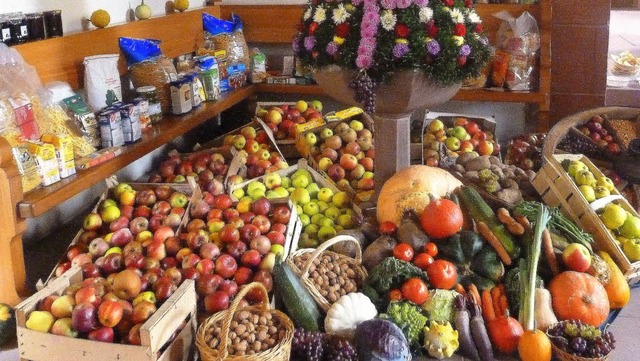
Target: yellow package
[63,144]
[45,156]
[29,176]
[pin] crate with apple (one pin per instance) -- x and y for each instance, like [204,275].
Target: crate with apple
[573,183]
[525,151]
[287,119]
[323,209]
[598,131]
[457,134]
[343,150]
[94,319]
[127,228]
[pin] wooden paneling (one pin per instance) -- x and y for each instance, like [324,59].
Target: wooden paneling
[61,58]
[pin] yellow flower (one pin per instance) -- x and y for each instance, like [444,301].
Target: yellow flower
[459,40]
[338,40]
[427,39]
[402,41]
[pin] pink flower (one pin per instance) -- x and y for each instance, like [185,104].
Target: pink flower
[421,3]
[369,43]
[403,4]
[370,18]
[356,2]
[388,4]
[332,48]
[364,62]
[368,32]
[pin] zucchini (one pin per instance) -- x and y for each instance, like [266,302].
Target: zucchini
[481,212]
[298,302]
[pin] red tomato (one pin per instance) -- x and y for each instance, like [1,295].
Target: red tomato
[422,261]
[395,295]
[442,274]
[403,251]
[441,218]
[431,249]
[415,290]
[387,227]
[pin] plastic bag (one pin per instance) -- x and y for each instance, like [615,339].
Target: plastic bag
[521,39]
[102,80]
[258,66]
[137,50]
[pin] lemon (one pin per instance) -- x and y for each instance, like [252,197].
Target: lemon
[181,5]
[100,18]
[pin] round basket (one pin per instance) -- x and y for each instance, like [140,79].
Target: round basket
[565,356]
[281,351]
[355,263]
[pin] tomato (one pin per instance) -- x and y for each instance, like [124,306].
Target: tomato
[415,290]
[431,249]
[441,218]
[442,274]
[403,252]
[422,261]
[387,227]
[395,295]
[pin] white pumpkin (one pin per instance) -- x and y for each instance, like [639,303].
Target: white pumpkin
[347,313]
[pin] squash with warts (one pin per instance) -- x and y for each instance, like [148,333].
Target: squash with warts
[616,286]
[579,296]
[411,189]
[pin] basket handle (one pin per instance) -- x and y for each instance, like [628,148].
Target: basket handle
[556,134]
[226,322]
[329,243]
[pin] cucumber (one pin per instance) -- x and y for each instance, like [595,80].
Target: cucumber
[481,212]
[299,304]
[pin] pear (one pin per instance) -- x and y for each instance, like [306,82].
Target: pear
[143,11]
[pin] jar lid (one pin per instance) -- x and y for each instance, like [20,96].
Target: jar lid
[146,89]
[34,15]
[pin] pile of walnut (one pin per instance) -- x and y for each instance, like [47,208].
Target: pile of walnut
[332,275]
[489,173]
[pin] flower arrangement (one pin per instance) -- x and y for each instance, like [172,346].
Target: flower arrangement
[443,38]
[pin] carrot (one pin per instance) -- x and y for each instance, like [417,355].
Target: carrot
[484,230]
[502,288]
[488,311]
[460,289]
[473,290]
[495,296]
[504,304]
[547,248]
[512,225]
[524,221]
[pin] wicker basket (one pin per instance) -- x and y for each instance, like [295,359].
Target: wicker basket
[565,356]
[356,263]
[279,352]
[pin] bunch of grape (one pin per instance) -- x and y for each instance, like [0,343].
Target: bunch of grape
[364,86]
[307,345]
[340,350]
[580,339]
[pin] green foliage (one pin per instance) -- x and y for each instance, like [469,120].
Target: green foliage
[387,275]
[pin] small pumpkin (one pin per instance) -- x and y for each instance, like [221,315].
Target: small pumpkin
[411,189]
[347,313]
[505,332]
[617,287]
[534,345]
[579,296]
[543,310]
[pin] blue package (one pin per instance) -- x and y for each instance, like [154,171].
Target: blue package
[137,50]
[215,26]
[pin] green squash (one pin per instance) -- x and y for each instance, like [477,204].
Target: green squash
[7,323]
[476,261]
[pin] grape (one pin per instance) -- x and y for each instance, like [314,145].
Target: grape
[578,344]
[307,346]
[340,350]
[364,86]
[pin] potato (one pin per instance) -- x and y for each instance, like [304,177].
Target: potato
[465,157]
[380,249]
[478,163]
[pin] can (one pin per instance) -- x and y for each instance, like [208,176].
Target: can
[129,116]
[142,106]
[110,128]
[181,94]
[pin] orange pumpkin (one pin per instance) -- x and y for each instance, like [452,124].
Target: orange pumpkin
[534,346]
[505,332]
[579,296]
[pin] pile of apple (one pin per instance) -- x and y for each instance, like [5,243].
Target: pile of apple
[525,151]
[254,149]
[209,167]
[464,136]
[345,153]
[592,188]
[283,119]
[322,212]
[594,128]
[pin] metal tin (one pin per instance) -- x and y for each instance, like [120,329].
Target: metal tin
[5,30]
[18,28]
[35,25]
[53,23]
[181,94]
[110,125]
[130,117]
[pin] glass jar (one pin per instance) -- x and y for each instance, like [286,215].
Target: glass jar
[150,93]
[18,26]
[5,30]
[53,23]
[35,25]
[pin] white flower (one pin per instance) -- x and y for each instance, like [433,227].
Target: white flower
[320,15]
[457,16]
[340,14]
[425,14]
[473,17]
[388,20]
[307,14]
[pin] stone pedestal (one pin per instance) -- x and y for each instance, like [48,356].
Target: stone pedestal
[392,143]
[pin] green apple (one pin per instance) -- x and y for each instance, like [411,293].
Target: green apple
[326,133]
[324,163]
[311,229]
[238,193]
[338,228]
[601,192]
[299,209]
[367,175]
[111,250]
[332,213]
[340,199]
[285,182]
[108,202]
[435,125]
[325,194]
[356,125]
[120,188]
[322,205]
[317,105]
[631,227]
[325,233]
[345,221]
[575,166]
[452,143]
[605,182]
[40,321]
[311,208]
[277,249]
[302,172]
[304,219]
[110,214]
[300,196]
[310,138]
[585,177]
[281,192]
[307,242]
[272,180]
[313,190]
[588,193]
[301,106]
[254,186]
[272,194]
[613,216]
[317,218]
[459,132]
[300,181]
[290,189]
[631,249]
[326,222]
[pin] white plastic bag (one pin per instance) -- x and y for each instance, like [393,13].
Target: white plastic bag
[102,81]
[520,37]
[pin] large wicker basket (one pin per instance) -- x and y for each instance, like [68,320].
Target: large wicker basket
[279,352]
[565,356]
[355,263]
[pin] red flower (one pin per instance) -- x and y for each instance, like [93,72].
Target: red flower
[468,3]
[462,61]
[315,54]
[342,30]
[313,27]
[401,30]
[448,2]
[460,30]
[432,31]
[479,28]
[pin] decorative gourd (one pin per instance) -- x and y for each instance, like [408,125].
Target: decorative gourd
[411,189]
[440,340]
[347,313]
[475,260]
[534,345]
[617,287]
[505,332]
[579,296]
[544,311]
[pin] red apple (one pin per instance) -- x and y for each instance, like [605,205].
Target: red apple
[226,266]
[223,202]
[90,270]
[276,237]
[156,250]
[281,214]
[278,227]
[248,232]
[162,233]
[262,244]
[208,283]
[209,251]
[228,286]
[85,317]
[235,249]
[142,311]
[205,266]
[121,237]
[243,276]
[110,313]
[162,207]
[251,258]
[229,234]
[576,257]
[262,222]
[217,301]
[261,206]
[87,295]
[164,287]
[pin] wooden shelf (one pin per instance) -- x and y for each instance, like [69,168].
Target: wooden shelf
[40,200]
[311,89]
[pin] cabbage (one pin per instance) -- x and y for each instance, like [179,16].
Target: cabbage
[439,306]
[381,340]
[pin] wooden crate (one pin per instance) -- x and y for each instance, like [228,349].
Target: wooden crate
[557,189]
[156,333]
[229,154]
